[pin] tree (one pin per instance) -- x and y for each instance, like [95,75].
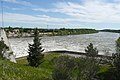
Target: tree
[89,65]
[3,46]
[91,51]
[113,73]
[118,45]
[116,59]
[10,29]
[35,51]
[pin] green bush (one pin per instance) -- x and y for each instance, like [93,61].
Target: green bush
[118,42]
[63,67]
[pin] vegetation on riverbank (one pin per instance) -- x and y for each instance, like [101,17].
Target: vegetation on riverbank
[54,65]
[110,30]
[28,32]
[113,73]
[21,70]
[3,47]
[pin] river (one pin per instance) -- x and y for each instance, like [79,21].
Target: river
[103,41]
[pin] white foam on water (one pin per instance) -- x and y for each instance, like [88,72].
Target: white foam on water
[104,41]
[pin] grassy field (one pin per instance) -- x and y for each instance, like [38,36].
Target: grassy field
[21,70]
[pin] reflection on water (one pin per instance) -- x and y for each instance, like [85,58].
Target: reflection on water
[104,41]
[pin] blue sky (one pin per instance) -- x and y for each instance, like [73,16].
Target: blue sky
[98,14]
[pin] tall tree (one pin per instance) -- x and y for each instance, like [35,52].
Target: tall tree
[35,51]
[90,64]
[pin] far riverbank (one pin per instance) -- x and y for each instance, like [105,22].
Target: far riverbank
[28,32]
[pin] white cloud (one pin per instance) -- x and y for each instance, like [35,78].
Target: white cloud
[39,19]
[95,11]
[19,2]
[17,9]
[89,11]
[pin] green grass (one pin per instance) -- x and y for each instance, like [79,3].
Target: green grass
[104,68]
[21,70]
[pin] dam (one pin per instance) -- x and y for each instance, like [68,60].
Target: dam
[7,53]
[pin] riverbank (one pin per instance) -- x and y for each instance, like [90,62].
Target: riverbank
[28,32]
[110,30]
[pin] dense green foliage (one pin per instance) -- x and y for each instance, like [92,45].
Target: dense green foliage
[47,69]
[63,67]
[84,68]
[110,30]
[50,32]
[35,51]
[116,60]
[3,46]
[89,65]
[64,31]
[21,71]
[118,42]
[113,73]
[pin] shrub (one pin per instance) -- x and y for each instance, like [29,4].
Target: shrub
[63,67]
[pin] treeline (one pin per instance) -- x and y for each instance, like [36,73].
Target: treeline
[48,32]
[109,30]
[64,31]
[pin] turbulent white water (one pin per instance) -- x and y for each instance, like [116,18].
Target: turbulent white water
[104,41]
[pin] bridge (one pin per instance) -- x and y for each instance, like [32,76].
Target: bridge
[8,53]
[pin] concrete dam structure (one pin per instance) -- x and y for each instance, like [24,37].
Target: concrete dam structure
[7,53]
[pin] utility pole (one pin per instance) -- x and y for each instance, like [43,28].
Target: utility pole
[2,23]
[2,14]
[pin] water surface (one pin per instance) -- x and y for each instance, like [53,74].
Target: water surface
[104,41]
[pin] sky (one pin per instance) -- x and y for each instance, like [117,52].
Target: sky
[96,14]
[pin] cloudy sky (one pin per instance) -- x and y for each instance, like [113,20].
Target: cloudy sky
[98,14]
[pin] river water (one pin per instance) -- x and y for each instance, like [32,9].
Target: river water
[103,41]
